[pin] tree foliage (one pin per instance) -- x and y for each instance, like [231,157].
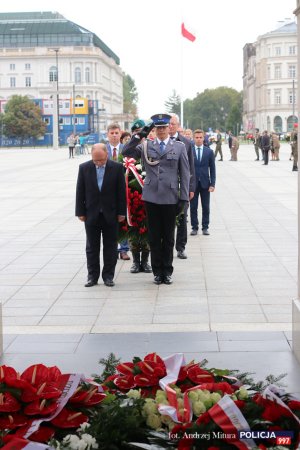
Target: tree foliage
[130,95]
[23,118]
[172,103]
[219,108]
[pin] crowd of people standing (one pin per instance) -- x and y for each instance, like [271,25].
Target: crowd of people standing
[178,169]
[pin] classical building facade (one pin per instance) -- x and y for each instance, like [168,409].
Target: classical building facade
[270,81]
[43,54]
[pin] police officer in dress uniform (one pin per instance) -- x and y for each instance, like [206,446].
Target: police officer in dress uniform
[165,191]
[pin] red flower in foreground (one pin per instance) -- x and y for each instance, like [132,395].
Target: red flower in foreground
[294,405]
[124,382]
[69,419]
[40,407]
[8,403]
[198,375]
[11,421]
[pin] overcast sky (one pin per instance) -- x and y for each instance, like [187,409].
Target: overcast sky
[146,36]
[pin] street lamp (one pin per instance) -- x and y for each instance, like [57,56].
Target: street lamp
[56,105]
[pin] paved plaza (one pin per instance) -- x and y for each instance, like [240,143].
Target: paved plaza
[230,302]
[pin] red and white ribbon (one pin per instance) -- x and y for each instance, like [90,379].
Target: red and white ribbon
[270,393]
[129,164]
[229,417]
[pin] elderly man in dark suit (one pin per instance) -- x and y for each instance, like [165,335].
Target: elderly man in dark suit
[205,169]
[165,191]
[181,237]
[101,204]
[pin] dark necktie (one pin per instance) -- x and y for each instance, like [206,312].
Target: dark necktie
[162,146]
[114,154]
[173,138]
[198,156]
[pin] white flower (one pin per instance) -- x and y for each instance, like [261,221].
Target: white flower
[215,397]
[150,407]
[89,440]
[138,166]
[83,427]
[242,394]
[134,393]
[153,421]
[72,440]
[198,408]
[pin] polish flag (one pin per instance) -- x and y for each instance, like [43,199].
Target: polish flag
[187,34]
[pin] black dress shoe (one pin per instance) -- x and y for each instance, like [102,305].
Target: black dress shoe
[181,254]
[158,279]
[109,283]
[90,283]
[205,232]
[168,279]
[194,232]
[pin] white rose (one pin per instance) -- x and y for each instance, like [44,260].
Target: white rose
[153,421]
[242,394]
[134,393]
[150,407]
[138,166]
[215,397]
[198,408]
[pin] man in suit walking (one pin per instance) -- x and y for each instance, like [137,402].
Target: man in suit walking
[165,191]
[181,237]
[205,170]
[101,204]
[114,149]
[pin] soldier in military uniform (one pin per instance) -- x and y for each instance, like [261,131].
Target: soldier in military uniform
[140,249]
[218,148]
[165,191]
[294,145]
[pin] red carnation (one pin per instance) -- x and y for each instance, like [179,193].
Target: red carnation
[274,412]
[294,405]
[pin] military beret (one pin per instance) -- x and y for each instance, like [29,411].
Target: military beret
[139,123]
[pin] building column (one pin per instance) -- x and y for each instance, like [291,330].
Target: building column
[296,303]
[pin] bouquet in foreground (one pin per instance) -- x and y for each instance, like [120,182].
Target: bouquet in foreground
[149,403]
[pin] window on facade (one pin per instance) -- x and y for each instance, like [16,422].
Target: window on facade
[87,75]
[269,72]
[61,120]
[269,96]
[277,72]
[46,120]
[77,75]
[28,81]
[76,121]
[67,105]
[292,71]
[12,67]
[67,121]
[81,121]
[292,96]
[277,96]
[277,51]
[292,50]
[53,73]
[12,82]
[27,66]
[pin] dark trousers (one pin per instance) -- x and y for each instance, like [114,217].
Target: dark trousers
[161,226]
[71,152]
[109,234]
[266,156]
[205,200]
[181,236]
